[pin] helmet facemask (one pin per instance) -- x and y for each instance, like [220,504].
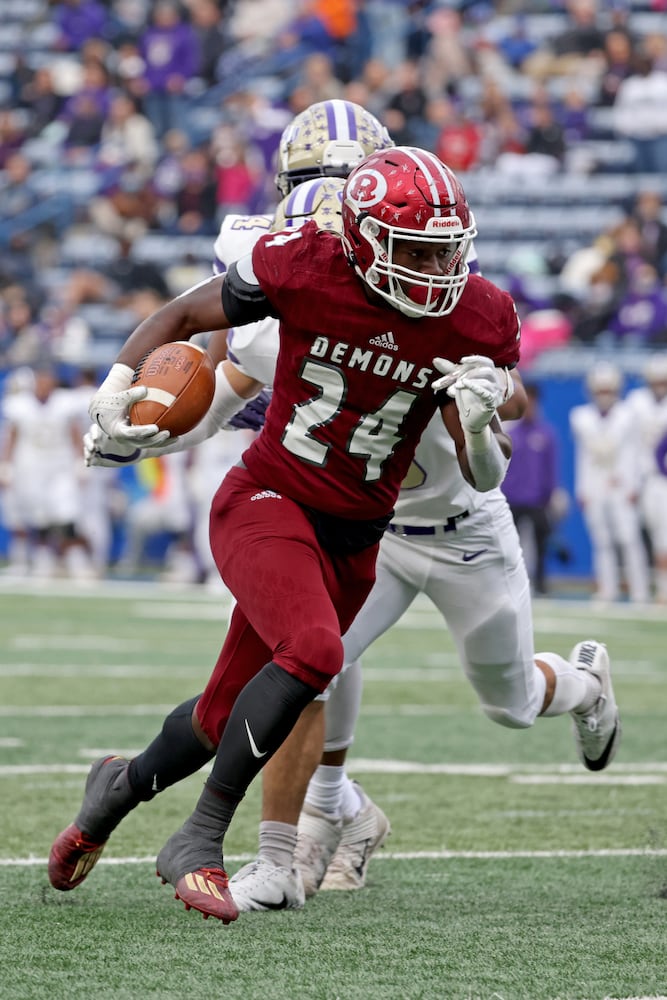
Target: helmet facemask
[416,293]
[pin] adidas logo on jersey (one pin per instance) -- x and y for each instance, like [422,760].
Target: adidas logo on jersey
[267,495]
[385,340]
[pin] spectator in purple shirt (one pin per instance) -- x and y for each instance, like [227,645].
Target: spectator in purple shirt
[531,485]
[79,20]
[641,315]
[86,111]
[170,49]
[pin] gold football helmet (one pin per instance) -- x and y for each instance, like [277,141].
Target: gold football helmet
[327,140]
[320,199]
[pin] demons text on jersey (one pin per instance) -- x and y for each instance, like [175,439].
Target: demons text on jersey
[366,359]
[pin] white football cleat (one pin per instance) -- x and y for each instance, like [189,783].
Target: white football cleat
[261,885]
[597,732]
[317,840]
[362,836]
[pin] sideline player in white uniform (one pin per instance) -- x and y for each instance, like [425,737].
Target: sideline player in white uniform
[648,405]
[99,490]
[43,492]
[607,484]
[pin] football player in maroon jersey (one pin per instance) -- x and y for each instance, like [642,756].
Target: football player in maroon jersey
[366,325]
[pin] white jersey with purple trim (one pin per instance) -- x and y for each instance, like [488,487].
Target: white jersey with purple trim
[253,348]
[236,238]
[434,488]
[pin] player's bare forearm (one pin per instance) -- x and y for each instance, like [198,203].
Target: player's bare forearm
[195,311]
[217,346]
[516,404]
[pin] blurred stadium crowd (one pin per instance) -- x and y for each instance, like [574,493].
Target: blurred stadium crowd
[129,128]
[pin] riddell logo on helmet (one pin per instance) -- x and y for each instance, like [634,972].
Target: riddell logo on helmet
[449,222]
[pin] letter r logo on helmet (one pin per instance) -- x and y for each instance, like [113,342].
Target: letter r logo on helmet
[369,187]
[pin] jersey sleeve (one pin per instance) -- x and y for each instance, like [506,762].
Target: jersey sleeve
[253,349]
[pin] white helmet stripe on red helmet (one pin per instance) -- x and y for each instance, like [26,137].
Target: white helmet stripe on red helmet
[432,168]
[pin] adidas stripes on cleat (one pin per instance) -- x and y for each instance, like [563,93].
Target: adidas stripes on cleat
[72,857]
[107,799]
[207,891]
[193,865]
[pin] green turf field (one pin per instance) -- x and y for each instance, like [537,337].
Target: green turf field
[511,872]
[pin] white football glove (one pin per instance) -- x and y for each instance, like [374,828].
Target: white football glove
[110,406]
[100,449]
[477,387]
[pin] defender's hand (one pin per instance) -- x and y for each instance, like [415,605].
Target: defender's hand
[475,366]
[101,450]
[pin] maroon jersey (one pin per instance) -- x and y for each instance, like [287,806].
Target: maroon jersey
[352,390]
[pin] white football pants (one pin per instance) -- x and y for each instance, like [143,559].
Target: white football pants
[477,579]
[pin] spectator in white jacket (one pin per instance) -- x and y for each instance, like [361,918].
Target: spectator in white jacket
[640,115]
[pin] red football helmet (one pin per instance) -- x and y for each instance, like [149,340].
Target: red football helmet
[407,194]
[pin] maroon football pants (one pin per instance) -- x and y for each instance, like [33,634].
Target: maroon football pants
[293,599]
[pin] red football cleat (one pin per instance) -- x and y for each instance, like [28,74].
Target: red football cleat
[207,890]
[73,855]
[108,797]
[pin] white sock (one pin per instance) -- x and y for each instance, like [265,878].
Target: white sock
[325,790]
[352,801]
[576,690]
[277,843]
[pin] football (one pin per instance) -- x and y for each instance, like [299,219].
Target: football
[180,379]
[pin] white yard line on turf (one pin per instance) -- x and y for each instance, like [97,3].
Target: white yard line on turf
[624,773]
[612,852]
